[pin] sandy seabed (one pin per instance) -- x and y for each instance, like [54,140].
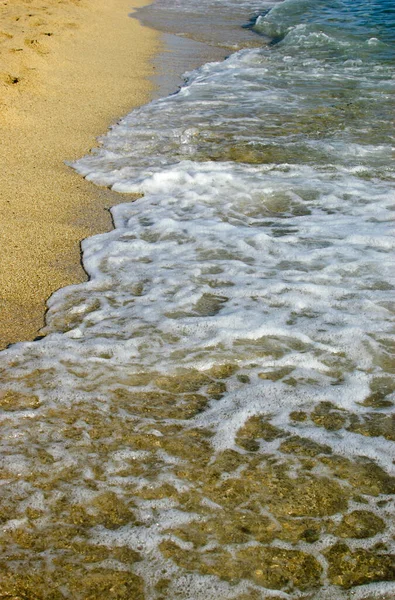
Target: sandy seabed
[68,68]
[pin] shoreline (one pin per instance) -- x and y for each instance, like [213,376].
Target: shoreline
[65,75]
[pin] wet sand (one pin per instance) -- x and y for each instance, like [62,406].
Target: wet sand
[67,70]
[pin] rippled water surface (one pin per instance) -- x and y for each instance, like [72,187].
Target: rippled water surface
[211,415]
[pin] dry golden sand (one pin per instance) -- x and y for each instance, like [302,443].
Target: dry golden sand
[67,69]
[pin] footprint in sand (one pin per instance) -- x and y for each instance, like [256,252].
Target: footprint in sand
[5,36]
[36,45]
[9,79]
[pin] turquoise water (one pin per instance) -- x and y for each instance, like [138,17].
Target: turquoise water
[211,415]
[354,20]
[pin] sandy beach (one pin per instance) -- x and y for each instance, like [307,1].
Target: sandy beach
[67,70]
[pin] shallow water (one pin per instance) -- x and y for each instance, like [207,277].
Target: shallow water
[211,415]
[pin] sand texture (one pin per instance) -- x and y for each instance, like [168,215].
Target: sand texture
[68,68]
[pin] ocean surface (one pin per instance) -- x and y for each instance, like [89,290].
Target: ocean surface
[211,415]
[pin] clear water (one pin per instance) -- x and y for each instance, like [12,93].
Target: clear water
[211,415]
[223,23]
